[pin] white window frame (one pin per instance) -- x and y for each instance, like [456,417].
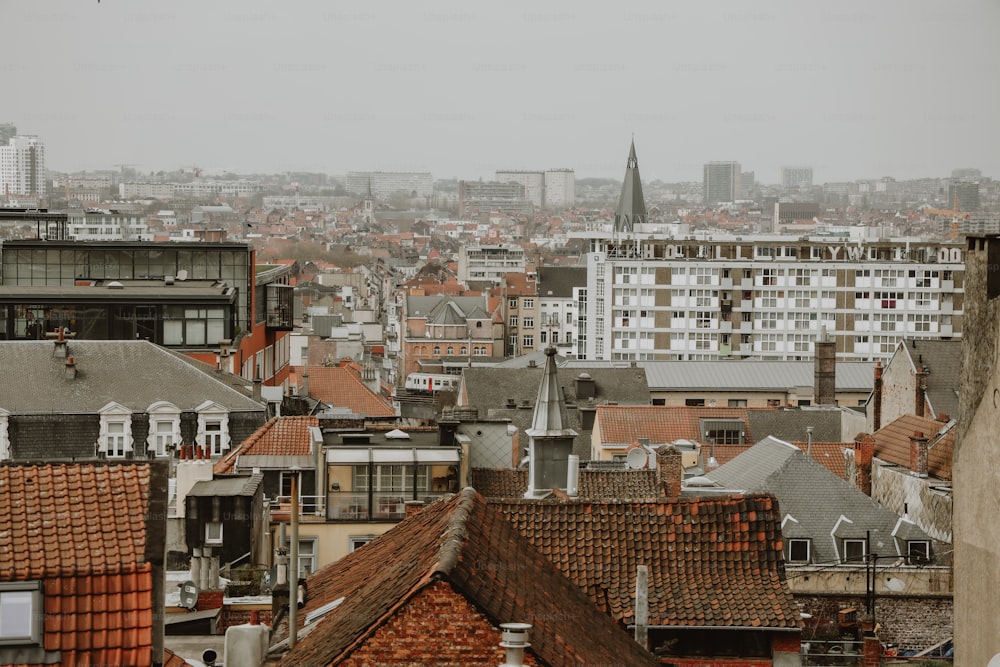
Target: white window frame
[355,542]
[115,444]
[922,558]
[5,453]
[211,413]
[16,594]
[311,557]
[161,442]
[808,545]
[210,533]
[853,541]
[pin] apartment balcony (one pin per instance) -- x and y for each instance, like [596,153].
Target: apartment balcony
[280,307]
[377,506]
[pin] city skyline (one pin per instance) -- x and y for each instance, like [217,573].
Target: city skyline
[856,91]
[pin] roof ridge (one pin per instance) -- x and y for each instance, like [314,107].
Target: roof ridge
[455,533]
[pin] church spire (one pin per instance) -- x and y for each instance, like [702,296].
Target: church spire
[631,209]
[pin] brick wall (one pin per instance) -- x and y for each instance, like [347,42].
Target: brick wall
[237,615]
[910,622]
[438,626]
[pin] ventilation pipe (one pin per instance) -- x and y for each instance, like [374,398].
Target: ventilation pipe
[642,606]
[809,440]
[515,640]
[573,476]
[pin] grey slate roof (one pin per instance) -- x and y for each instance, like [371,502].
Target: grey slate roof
[748,374]
[942,359]
[132,373]
[790,425]
[559,281]
[823,508]
[473,307]
[227,486]
[490,389]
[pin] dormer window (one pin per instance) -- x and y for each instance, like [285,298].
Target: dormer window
[164,428]
[213,428]
[798,550]
[115,437]
[854,551]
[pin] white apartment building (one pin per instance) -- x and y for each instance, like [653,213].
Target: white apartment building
[560,188]
[22,166]
[559,294]
[107,226]
[766,297]
[552,189]
[652,296]
[533,183]
[385,183]
[489,262]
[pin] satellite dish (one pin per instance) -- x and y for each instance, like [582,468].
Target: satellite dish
[189,595]
[636,458]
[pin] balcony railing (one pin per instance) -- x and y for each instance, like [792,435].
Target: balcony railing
[309,506]
[385,505]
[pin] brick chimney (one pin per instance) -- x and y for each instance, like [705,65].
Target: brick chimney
[669,471]
[864,452]
[60,351]
[918,454]
[825,371]
[877,398]
[920,398]
[413,507]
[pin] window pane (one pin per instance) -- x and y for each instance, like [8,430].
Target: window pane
[15,614]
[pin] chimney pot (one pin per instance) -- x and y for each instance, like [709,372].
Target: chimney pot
[70,368]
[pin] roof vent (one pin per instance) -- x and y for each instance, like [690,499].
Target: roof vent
[515,640]
[168,280]
[114,284]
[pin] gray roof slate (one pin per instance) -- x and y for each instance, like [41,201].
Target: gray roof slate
[791,425]
[489,390]
[559,281]
[135,374]
[752,374]
[942,359]
[227,486]
[817,499]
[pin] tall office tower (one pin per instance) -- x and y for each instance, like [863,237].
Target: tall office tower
[22,166]
[533,183]
[960,174]
[793,178]
[964,195]
[722,182]
[382,184]
[560,188]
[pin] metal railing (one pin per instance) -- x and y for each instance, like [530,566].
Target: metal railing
[832,652]
[308,506]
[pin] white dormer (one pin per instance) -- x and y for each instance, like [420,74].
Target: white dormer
[164,428]
[115,438]
[213,428]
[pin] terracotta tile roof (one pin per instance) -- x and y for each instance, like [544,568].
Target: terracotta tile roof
[81,530]
[712,561]
[280,436]
[892,443]
[624,423]
[342,387]
[509,483]
[467,543]
[171,659]
[829,454]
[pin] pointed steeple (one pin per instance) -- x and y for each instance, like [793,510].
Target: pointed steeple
[631,209]
[550,438]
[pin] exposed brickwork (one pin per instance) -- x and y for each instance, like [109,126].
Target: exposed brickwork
[910,622]
[437,627]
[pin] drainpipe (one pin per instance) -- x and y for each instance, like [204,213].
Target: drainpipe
[293,564]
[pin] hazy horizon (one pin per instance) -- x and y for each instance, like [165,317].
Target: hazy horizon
[854,90]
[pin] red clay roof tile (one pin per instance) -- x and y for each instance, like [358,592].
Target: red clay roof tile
[280,436]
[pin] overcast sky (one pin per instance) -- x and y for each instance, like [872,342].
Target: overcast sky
[855,89]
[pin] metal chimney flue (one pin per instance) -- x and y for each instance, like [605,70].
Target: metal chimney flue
[515,640]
